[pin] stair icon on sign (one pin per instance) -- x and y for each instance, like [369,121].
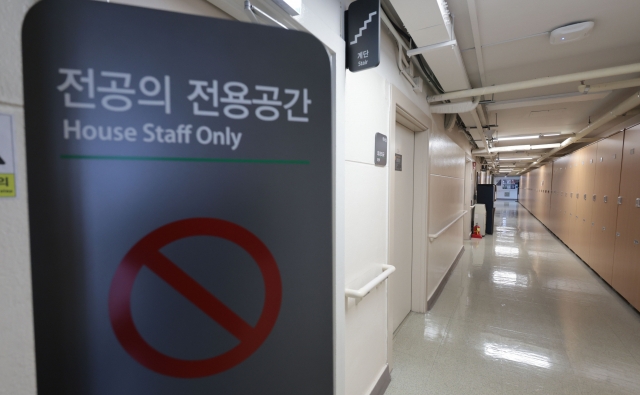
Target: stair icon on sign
[363,28]
[1,161]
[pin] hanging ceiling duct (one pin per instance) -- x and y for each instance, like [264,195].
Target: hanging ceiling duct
[429,23]
[455,108]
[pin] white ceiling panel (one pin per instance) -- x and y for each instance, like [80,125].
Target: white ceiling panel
[418,14]
[515,47]
[444,61]
[502,20]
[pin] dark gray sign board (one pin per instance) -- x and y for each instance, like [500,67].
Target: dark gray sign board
[380,155]
[362,21]
[179,175]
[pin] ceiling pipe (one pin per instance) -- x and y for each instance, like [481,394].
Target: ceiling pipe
[609,86]
[479,128]
[455,108]
[406,64]
[618,110]
[489,155]
[249,11]
[427,48]
[538,82]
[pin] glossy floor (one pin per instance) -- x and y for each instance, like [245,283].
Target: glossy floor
[521,314]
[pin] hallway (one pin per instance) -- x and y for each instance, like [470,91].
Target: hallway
[520,314]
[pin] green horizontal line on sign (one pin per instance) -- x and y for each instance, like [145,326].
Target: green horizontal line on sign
[176,159]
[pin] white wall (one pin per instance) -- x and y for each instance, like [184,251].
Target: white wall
[366,203]
[17,364]
[446,195]
[368,111]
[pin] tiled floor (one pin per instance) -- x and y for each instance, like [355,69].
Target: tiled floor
[521,314]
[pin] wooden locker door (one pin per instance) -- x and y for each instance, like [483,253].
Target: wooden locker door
[607,186]
[577,176]
[572,205]
[585,201]
[562,200]
[626,259]
[553,210]
[580,179]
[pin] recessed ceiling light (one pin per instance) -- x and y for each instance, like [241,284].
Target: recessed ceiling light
[570,33]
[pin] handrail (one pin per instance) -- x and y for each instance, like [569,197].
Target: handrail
[362,292]
[432,237]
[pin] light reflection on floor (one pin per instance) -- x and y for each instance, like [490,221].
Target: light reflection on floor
[521,314]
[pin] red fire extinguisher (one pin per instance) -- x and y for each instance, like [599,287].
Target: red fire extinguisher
[476,232]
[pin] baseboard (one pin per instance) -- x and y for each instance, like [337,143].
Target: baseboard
[383,382]
[434,297]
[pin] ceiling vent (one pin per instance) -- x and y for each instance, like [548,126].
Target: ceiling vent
[570,33]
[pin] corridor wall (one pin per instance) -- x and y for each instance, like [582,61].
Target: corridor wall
[594,207]
[446,194]
[533,191]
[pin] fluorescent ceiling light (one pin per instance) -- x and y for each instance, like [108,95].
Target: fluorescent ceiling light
[524,147]
[515,159]
[533,136]
[551,134]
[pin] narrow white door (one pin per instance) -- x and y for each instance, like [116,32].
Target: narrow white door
[402,226]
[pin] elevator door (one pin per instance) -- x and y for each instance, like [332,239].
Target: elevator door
[402,231]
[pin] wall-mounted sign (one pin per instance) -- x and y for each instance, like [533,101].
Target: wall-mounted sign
[398,162]
[180,203]
[380,156]
[7,158]
[362,21]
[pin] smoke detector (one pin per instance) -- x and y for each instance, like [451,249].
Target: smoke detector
[570,33]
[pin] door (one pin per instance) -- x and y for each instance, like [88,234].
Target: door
[402,226]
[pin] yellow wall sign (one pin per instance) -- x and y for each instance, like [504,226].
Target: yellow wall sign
[7,162]
[7,185]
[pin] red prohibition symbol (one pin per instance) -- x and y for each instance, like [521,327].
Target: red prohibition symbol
[147,253]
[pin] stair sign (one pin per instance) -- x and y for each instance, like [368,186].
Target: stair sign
[362,21]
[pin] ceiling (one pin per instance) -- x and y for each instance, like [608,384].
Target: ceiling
[514,40]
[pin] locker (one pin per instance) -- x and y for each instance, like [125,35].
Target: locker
[607,187]
[571,231]
[626,274]
[585,200]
